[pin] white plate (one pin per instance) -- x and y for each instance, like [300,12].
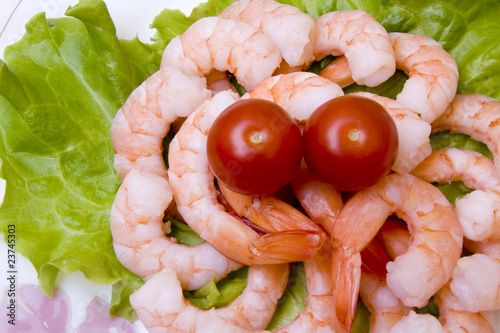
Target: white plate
[13,16]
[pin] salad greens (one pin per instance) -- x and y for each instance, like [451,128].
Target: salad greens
[61,85]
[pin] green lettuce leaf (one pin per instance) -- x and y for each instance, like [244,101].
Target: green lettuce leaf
[60,87]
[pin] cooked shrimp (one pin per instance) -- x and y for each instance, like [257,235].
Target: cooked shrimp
[455,318]
[195,194]
[417,323]
[161,306]
[362,39]
[477,211]
[385,308]
[321,201]
[225,45]
[432,74]
[475,115]
[476,278]
[140,242]
[268,212]
[338,71]
[138,129]
[434,249]
[299,93]
[413,132]
[291,30]
[318,316]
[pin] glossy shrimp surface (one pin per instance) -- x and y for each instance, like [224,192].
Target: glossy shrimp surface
[139,240]
[476,115]
[161,306]
[362,39]
[477,211]
[139,126]
[193,185]
[432,74]
[291,30]
[225,45]
[432,254]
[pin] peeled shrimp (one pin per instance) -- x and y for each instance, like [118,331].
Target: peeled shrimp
[140,242]
[413,133]
[455,318]
[321,201]
[291,30]
[478,211]
[432,74]
[475,115]
[362,39]
[138,129]
[161,307]
[225,45]
[476,278]
[196,197]
[299,93]
[434,249]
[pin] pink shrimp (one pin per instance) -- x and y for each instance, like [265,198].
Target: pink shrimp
[475,115]
[436,241]
[138,129]
[477,211]
[299,93]
[291,30]
[362,39]
[225,45]
[140,242]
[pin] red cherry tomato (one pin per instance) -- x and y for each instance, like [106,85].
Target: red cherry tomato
[254,147]
[351,142]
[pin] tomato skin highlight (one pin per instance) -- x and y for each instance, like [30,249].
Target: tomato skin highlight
[254,147]
[351,142]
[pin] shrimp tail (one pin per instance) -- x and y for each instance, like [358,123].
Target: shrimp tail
[346,271]
[288,246]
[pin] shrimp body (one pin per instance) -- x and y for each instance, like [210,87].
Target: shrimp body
[433,252]
[225,45]
[476,115]
[432,74]
[413,133]
[299,93]
[140,242]
[476,279]
[138,129]
[161,306]
[291,30]
[362,39]
[194,191]
[478,211]
[417,323]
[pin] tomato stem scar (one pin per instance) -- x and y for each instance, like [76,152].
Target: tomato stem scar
[353,135]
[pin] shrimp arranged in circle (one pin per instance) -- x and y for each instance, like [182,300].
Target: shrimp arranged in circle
[413,133]
[299,93]
[161,307]
[477,211]
[291,30]
[362,39]
[432,74]
[224,45]
[139,126]
[196,197]
[433,252]
[140,242]
[476,115]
